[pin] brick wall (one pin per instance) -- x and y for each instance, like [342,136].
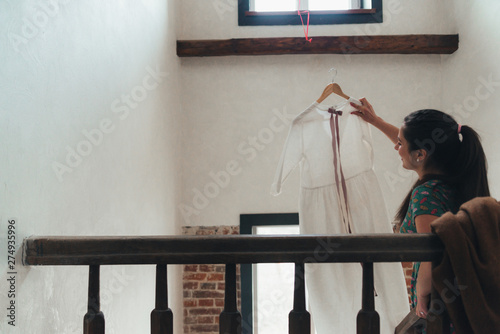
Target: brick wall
[203,286]
[407,269]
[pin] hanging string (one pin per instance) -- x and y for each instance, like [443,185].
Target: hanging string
[306,31]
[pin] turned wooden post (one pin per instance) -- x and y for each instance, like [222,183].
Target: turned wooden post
[230,318]
[162,318]
[299,320]
[93,321]
[368,320]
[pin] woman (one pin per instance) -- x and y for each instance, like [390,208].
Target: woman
[451,170]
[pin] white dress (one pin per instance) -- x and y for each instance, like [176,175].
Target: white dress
[334,290]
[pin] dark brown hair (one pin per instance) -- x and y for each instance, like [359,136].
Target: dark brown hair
[462,162]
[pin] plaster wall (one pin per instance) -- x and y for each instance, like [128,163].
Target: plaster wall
[471,78]
[89,112]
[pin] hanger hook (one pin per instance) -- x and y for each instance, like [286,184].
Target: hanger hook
[330,71]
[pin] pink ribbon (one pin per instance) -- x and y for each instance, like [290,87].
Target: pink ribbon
[306,32]
[337,163]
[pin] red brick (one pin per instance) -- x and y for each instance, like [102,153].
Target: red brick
[206,320]
[195,277]
[220,268]
[207,294]
[190,285]
[208,286]
[219,302]
[191,267]
[205,302]
[189,303]
[215,277]
[190,320]
[207,268]
[205,232]
[221,286]
[204,329]
[205,311]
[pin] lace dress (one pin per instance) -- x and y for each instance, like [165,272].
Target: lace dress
[334,290]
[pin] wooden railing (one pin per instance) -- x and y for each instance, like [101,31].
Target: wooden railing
[236,249]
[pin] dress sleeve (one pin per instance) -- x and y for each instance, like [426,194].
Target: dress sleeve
[427,200]
[290,157]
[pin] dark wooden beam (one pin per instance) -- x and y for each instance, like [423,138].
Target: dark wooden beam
[231,249]
[348,45]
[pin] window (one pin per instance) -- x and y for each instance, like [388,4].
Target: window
[312,5]
[284,12]
[267,288]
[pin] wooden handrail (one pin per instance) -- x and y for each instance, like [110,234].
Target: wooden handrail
[231,250]
[59,250]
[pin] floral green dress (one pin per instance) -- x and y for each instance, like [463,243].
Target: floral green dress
[433,197]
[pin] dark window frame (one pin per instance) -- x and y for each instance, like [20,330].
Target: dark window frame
[247,224]
[248,18]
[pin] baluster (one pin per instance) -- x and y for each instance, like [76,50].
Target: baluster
[93,321]
[368,320]
[299,320]
[230,318]
[162,318]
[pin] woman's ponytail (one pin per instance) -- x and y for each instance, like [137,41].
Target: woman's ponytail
[470,168]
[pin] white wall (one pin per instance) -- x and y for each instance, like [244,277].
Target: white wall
[471,77]
[228,101]
[66,69]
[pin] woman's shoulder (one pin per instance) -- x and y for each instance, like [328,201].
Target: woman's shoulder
[433,186]
[435,193]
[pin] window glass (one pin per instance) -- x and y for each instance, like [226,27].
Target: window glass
[274,5]
[330,5]
[273,288]
[292,5]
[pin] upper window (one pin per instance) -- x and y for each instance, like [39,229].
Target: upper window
[284,12]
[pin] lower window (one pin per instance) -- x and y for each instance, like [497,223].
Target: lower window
[267,288]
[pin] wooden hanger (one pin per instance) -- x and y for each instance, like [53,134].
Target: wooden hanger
[332,88]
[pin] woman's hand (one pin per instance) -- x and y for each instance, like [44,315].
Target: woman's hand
[421,309]
[365,111]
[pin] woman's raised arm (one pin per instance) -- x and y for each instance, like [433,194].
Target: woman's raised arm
[366,112]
